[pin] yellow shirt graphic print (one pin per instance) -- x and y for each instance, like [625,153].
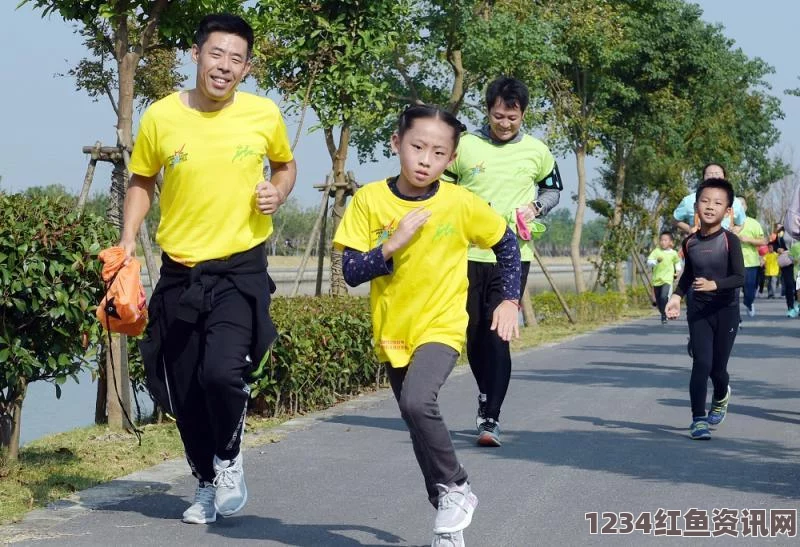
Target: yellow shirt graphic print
[424,299]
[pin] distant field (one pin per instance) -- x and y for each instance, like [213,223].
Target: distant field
[293,261]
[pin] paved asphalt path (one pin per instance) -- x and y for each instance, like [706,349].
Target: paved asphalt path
[597,423]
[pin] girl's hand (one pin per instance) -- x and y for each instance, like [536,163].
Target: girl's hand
[704,285]
[673,308]
[407,227]
[505,320]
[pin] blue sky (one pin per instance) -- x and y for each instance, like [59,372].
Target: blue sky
[46,121]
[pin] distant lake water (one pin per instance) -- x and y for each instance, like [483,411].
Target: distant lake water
[43,414]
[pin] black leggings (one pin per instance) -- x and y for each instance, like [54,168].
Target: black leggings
[712,334]
[489,356]
[661,293]
[787,277]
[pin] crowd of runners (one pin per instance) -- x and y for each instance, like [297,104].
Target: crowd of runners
[444,243]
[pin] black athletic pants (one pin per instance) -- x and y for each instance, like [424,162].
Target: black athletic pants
[661,292]
[712,333]
[787,277]
[206,364]
[489,356]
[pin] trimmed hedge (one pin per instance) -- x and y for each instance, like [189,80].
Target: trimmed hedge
[324,353]
[588,306]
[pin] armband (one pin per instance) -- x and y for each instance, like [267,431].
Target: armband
[553,180]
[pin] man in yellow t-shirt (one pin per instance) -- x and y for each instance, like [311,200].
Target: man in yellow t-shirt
[209,314]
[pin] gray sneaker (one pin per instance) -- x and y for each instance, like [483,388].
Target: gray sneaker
[448,540]
[231,489]
[456,506]
[202,511]
[489,433]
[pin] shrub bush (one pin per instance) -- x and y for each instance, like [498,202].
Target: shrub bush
[49,288]
[324,353]
[587,306]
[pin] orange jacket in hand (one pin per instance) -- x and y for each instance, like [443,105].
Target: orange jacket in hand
[124,307]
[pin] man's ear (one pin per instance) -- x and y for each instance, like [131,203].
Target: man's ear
[395,143]
[247,66]
[195,53]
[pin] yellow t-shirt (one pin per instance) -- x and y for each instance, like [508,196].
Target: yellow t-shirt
[424,299]
[771,268]
[212,162]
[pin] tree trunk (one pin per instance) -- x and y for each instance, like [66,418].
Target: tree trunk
[118,397]
[575,244]
[11,421]
[339,159]
[457,91]
[616,220]
[118,351]
[127,70]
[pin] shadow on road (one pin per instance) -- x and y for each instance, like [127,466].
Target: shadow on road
[638,375]
[609,374]
[773,415]
[392,424]
[170,507]
[653,453]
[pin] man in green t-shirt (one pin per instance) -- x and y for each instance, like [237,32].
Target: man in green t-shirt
[665,263]
[752,237]
[517,175]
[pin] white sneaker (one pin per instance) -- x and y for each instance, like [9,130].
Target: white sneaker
[448,540]
[456,506]
[752,311]
[231,489]
[203,510]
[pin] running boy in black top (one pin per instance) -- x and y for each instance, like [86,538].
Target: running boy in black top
[715,271]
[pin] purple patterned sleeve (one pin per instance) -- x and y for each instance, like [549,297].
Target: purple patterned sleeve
[507,253]
[362,267]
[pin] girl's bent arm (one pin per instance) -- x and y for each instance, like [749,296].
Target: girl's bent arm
[507,253]
[361,267]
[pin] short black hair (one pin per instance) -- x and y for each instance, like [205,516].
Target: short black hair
[666,233]
[709,164]
[227,23]
[415,111]
[722,184]
[512,91]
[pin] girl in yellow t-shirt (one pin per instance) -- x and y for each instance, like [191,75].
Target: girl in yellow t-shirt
[408,236]
[771,270]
